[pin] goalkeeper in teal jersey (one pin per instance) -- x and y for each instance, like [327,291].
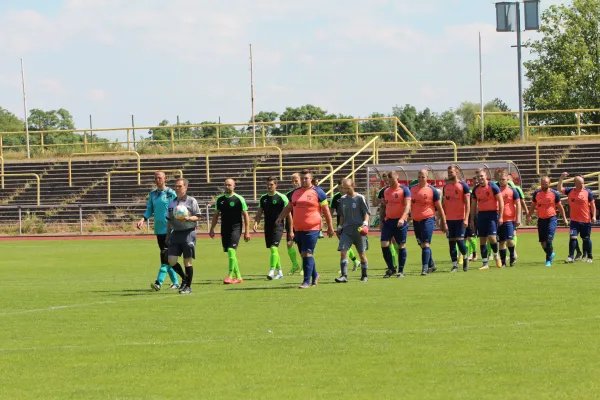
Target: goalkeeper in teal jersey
[157,206]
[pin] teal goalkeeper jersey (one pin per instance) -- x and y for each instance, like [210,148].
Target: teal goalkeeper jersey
[157,206]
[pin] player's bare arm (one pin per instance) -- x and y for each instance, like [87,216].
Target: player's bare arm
[442,214]
[404,216]
[518,214]
[328,220]
[500,208]
[559,186]
[284,213]
[381,214]
[593,211]
[213,223]
[561,210]
[257,219]
[246,225]
[467,210]
[530,213]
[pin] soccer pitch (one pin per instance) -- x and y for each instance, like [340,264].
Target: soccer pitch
[79,321]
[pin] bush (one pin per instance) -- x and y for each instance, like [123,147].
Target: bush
[501,128]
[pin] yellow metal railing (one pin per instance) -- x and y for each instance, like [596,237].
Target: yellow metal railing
[447,142]
[593,174]
[297,168]
[2,170]
[557,138]
[308,131]
[105,153]
[110,173]
[577,126]
[36,176]
[243,149]
[372,142]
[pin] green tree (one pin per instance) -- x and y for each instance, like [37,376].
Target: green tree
[53,120]
[565,73]
[265,116]
[380,126]
[11,123]
[303,113]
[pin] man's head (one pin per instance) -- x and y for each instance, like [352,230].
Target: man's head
[392,178]
[181,186]
[306,178]
[579,182]
[498,173]
[229,185]
[272,184]
[296,180]
[545,183]
[453,173]
[481,177]
[347,187]
[160,180]
[422,177]
[502,177]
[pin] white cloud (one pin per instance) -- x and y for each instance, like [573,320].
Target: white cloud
[96,95]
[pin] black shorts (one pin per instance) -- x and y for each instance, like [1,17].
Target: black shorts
[230,237]
[273,235]
[183,243]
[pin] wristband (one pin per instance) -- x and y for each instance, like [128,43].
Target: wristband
[145,219]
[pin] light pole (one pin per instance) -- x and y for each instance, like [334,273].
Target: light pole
[508,19]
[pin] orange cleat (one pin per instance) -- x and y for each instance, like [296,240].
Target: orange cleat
[228,280]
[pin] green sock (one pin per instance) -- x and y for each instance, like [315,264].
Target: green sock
[292,254]
[515,240]
[351,255]
[233,264]
[275,260]
[473,245]
[394,250]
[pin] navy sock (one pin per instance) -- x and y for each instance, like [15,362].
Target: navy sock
[387,256]
[462,247]
[307,270]
[401,259]
[577,249]
[453,252]
[494,247]
[572,245]
[511,251]
[503,256]
[313,267]
[549,250]
[588,243]
[484,253]
[425,257]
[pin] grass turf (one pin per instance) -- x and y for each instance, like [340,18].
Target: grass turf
[79,321]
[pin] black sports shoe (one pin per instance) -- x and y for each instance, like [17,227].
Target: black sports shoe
[512,262]
[577,256]
[454,269]
[431,270]
[341,279]
[389,273]
[465,264]
[186,290]
[182,287]
[424,272]
[364,279]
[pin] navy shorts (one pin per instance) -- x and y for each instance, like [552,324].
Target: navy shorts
[470,233]
[547,228]
[307,240]
[456,229]
[424,230]
[487,223]
[580,228]
[391,230]
[506,231]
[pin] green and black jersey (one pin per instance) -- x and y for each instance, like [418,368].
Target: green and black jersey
[231,208]
[272,206]
[333,205]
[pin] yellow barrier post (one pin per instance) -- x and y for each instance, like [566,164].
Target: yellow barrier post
[2,170]
[351,159]
[296,167]
[395,130]
[218,138]
[527,125]
[36,176]
[172,140]
[310,135]
[1,151]
[110,173]
[128,140]
[105,153]
[356,126]
[537,156]
[208,151]
[450,142]
[578,122]
[264,139]
[42,142]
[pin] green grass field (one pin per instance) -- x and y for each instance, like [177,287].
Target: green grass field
[79,321]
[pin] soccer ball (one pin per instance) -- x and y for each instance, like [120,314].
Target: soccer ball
[363,230]
[181,212]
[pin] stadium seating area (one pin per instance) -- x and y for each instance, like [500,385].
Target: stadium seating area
[89,189]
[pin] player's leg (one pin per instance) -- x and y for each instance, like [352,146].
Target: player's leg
[399,238]
[362,244]
[452,245]
[385,238]
[292,254]
[482,233]
[236,233]
[355,261]
[462,247]
[395,249]
[311,239]
[189,254]
[427,235]
[586,239]
[344,246]
[174,251]
[502,238]
[573,232]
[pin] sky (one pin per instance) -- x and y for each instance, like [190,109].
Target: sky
[190,58]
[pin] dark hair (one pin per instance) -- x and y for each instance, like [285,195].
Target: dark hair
[186,183]
[272,179]
[306,171]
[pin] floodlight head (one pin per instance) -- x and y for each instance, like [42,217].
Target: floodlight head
[506,16]
[532,14]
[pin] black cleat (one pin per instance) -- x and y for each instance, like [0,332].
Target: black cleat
[465,264]
[454,269]
[341,279]
[389,273]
